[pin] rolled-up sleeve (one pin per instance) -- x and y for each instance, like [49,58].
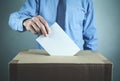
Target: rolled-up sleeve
[89,29]
[28,10]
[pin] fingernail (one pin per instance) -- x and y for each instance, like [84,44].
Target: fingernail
[49,32]
[46,35]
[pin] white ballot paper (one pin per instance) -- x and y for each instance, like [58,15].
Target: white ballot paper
[58,43]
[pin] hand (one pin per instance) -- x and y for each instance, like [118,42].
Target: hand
[37,25]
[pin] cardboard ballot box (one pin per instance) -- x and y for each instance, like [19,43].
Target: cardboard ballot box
[37,65]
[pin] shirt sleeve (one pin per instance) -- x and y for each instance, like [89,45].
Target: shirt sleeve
[89,30]
[28,10]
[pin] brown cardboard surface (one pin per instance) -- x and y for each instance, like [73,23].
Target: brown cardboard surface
[38,65]
[41,56]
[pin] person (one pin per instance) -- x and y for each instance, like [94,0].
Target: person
[76,18]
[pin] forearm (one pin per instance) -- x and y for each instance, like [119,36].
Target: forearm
[28,10]
[89,31]
[16,21]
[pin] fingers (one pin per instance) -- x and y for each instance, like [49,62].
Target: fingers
[32,30]
[40,25]
[37,25]
[45,24]
[29,25]
[43,30]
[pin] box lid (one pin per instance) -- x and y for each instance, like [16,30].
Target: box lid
[41,56]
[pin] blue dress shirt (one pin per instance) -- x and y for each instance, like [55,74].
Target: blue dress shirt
[76,17]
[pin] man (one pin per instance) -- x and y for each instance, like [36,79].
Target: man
[76,17]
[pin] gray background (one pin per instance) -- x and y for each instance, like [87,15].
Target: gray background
[107,13]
